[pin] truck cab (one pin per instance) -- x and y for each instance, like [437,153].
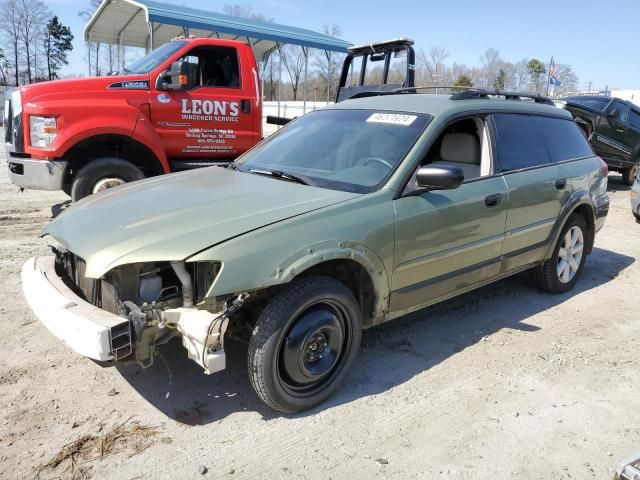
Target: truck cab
[613,128]
[192,102]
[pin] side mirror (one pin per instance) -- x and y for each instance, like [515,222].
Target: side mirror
[439,177]
[176,78]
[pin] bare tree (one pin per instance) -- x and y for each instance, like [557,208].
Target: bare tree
[329,63]
[293,59]
[568,78]
[33,18]
[434,64]
[93,47]
[10,27]
[521,74]
[491,64]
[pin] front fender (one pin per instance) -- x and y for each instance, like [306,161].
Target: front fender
[258,276]
[329,250]
[112,116]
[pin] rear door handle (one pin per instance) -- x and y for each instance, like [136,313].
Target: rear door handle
[493,200]
[560,184]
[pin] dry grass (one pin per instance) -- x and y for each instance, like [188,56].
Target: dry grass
[73,459]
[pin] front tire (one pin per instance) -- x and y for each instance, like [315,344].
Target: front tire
[101,174]
[629,175]
[561,272]
[303,344]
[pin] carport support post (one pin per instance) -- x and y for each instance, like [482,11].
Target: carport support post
[305,52]
[279,46]
[150,28]
[328,54]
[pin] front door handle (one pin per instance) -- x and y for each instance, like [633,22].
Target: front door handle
[560,184]
[493,200]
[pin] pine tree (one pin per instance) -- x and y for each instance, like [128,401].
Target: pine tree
[57,44]
[462,81]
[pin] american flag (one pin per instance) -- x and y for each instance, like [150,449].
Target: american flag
[553,74]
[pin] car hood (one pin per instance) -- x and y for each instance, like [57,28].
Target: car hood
[172,217]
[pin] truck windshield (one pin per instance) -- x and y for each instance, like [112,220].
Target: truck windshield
[350,150]
[154,58]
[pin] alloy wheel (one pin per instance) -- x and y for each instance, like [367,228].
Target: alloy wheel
[570,254]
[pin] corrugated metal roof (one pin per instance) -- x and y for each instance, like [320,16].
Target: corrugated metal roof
[127,22]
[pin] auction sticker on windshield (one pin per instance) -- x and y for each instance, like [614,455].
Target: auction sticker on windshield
[393,118]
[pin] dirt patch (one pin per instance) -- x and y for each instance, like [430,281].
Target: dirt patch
[74,459]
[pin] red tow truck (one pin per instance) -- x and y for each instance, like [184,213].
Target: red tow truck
[190,103]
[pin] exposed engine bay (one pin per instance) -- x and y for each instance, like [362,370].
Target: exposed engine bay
[157,301]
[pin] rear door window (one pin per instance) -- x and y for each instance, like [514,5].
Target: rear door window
[519,145]
[563,138]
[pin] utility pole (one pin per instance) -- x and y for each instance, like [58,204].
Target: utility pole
[589,86]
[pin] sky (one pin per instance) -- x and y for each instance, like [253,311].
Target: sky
[598,39]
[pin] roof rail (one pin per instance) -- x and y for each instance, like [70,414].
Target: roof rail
[473,93]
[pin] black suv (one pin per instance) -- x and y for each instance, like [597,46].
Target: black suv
[613,128]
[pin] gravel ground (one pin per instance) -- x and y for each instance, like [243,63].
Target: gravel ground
[506,382]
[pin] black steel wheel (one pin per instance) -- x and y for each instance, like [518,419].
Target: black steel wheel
[303,344]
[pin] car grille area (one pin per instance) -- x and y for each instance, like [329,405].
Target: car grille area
[100,293]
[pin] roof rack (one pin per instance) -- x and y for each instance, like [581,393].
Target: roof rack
[472,93]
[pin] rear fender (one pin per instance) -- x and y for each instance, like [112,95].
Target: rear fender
[575,201]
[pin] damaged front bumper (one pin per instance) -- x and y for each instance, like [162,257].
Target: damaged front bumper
[104,336]
[85,328]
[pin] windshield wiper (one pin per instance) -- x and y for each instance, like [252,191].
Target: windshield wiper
[231,166]
[282,175]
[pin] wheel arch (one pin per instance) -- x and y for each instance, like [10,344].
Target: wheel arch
[115,145]
[353,264]
[579,203]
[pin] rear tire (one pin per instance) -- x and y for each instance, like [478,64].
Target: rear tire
[629,175]
[303,344]
[101,174]
[561,272]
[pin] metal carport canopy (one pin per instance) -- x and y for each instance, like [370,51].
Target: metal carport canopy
[149,24]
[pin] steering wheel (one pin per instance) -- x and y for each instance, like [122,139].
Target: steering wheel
[368,160]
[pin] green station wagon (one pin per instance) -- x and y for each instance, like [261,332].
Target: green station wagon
[347,217]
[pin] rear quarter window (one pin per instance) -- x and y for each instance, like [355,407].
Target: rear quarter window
[563,138]
[519,145]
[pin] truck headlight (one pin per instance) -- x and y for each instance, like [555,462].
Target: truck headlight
[44,130]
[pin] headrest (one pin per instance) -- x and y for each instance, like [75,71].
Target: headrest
[460,148]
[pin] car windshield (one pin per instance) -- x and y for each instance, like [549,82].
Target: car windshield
[595,103]
[154,58]
[350,150]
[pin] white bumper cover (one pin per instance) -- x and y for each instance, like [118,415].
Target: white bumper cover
[82,326]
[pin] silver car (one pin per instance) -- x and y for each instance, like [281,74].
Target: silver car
[635,197]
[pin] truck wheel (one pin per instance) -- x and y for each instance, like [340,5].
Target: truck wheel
[101,174]
[303,344]
[629,175]
[560,273]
